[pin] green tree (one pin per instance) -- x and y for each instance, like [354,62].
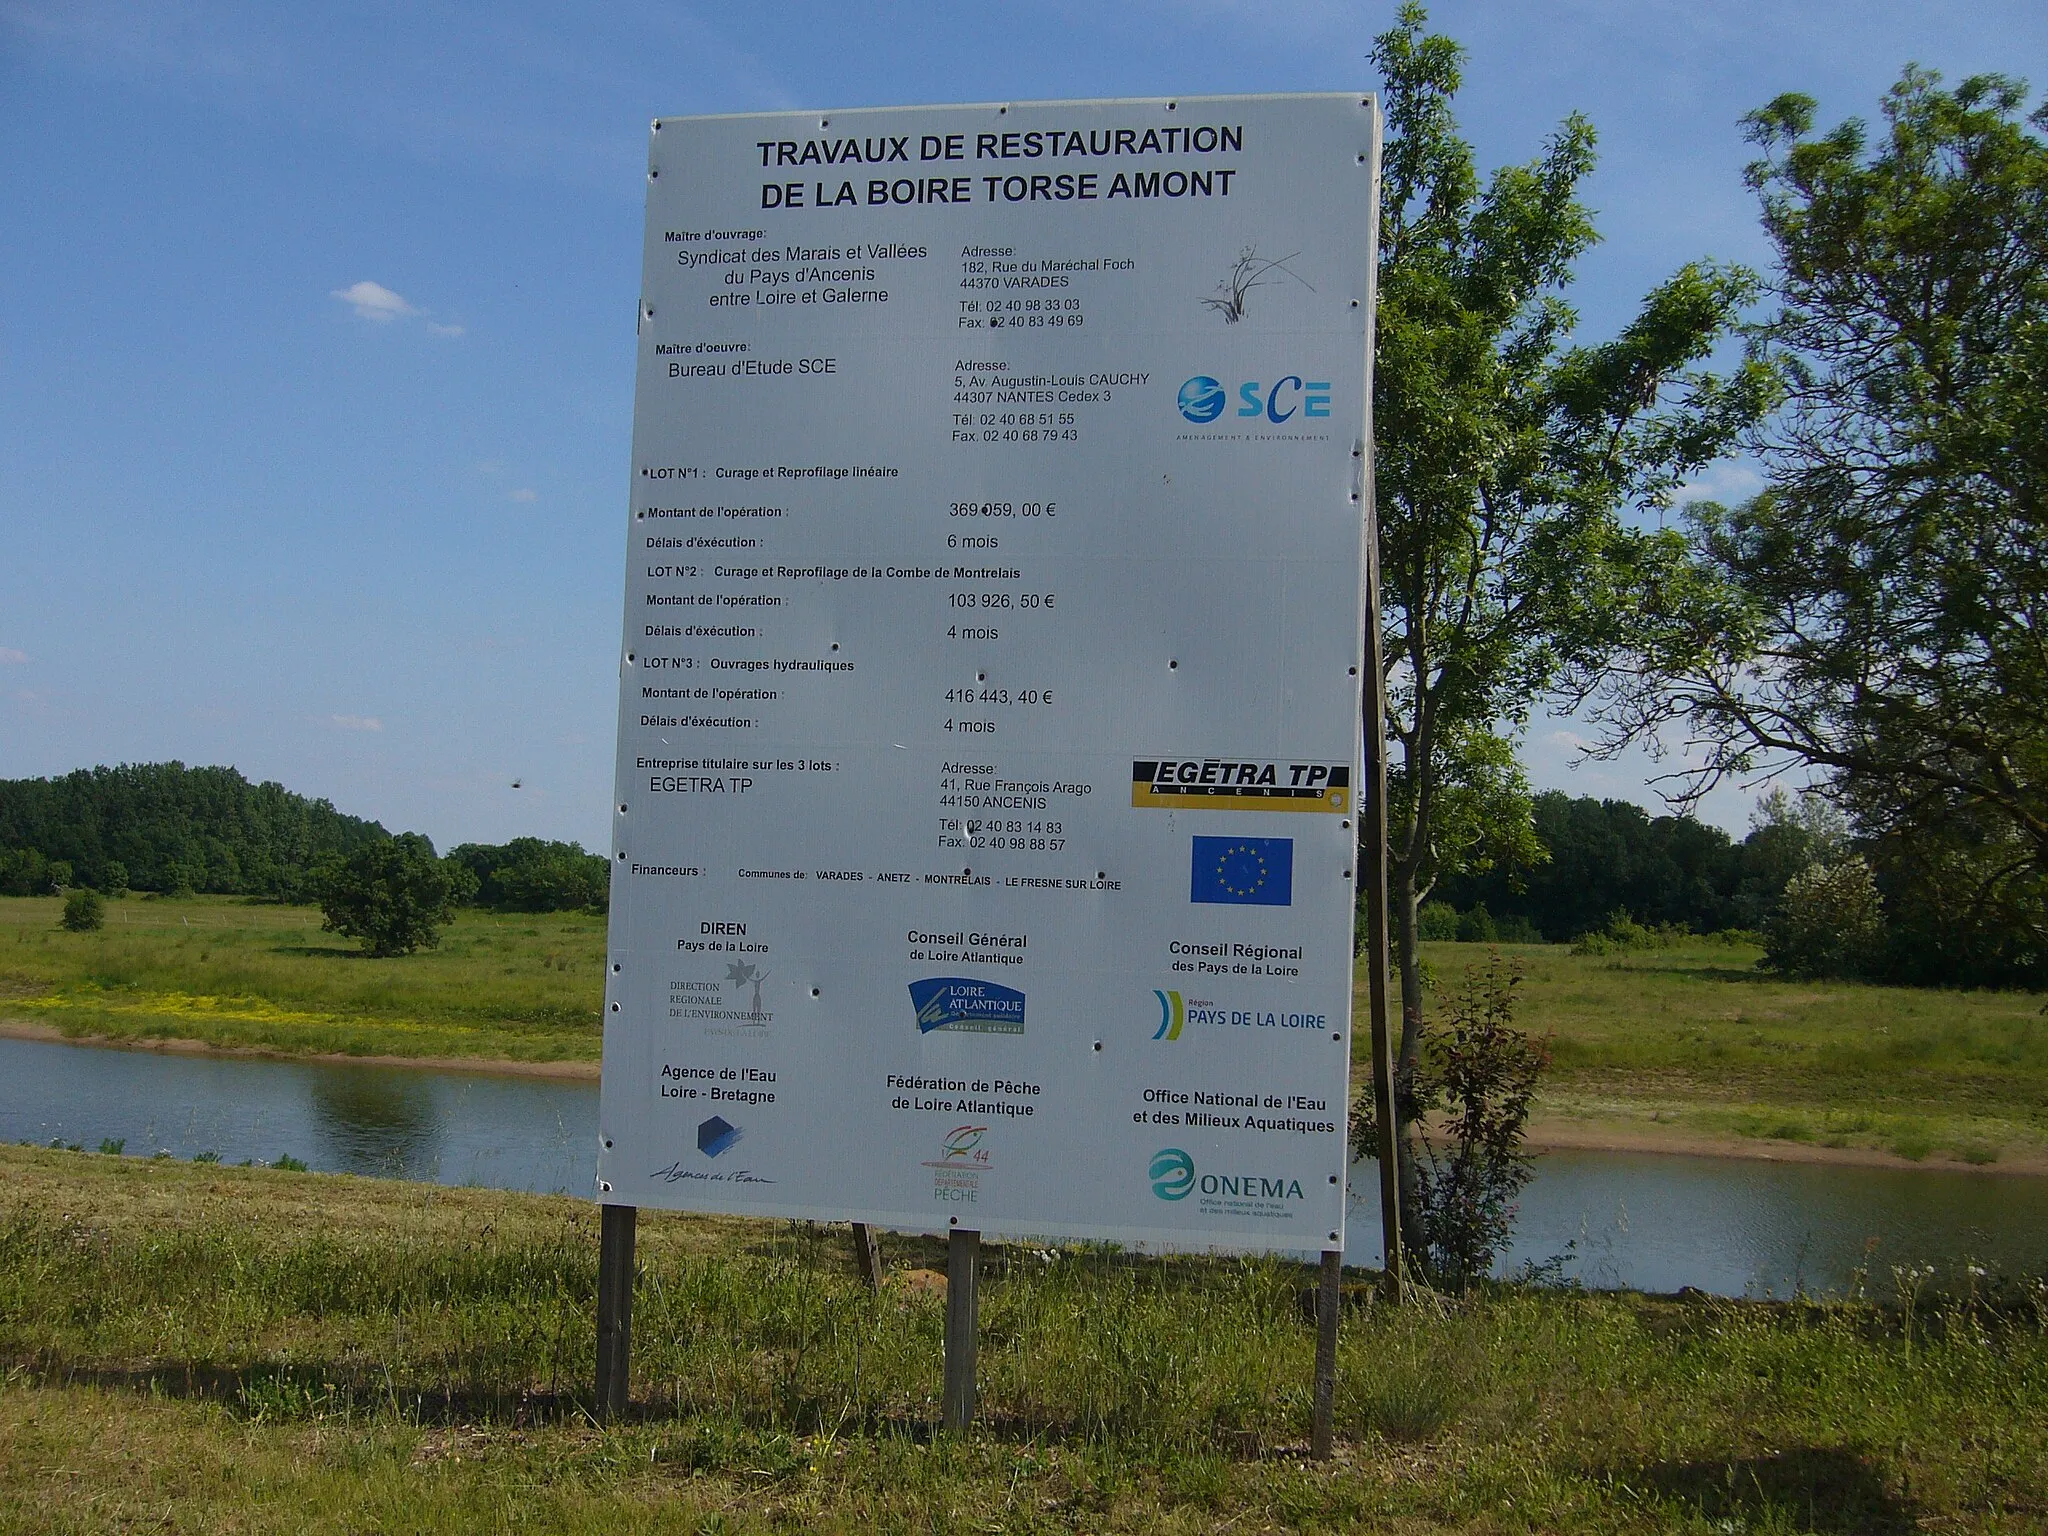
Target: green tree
[1828,922]
[1885,597]
[1512,469]
[1476,1083]
[530,874]
[84,910]
[392,896]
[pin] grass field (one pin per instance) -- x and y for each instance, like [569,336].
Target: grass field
[212,1349]
[233,973]
[1691,1039]
[1696,1038]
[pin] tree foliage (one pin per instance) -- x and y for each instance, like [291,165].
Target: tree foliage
[84,910]
[1885,598]
[1511,465]
[166,827]
[530,874]
[1829,922]
[392,896]
[1603,857]
[1471,1096]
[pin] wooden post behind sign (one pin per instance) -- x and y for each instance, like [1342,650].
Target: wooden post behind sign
[1372,827]
[614,1309]
[867,1255]
[1329,1298]
[963,1253]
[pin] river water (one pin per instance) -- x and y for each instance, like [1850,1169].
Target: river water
[1639,1220]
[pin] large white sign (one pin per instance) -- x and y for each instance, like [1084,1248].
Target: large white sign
[989,701]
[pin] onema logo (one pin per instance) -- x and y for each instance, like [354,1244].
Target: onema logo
[1173,1173]
[1201,398]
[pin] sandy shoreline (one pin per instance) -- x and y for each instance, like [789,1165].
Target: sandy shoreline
[1561,1134]
[1547,1133]
[34,1029]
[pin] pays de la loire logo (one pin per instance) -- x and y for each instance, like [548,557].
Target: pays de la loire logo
[1173,1015]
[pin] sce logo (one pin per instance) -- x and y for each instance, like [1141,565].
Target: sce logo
[1202,399]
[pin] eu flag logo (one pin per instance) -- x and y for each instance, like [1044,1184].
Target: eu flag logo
[1243,871]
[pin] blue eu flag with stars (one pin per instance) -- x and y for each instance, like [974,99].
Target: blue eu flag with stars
[1243,871]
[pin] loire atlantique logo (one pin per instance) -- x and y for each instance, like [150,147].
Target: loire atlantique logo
[1243,871]
[967,1006]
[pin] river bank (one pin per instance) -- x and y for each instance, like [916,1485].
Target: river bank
[1689,1048]
[277,1351]
[1567,1128]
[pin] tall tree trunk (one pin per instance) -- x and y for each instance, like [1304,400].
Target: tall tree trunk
[1408,960]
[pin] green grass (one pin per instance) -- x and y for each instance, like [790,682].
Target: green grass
[1697,1038]
[241,974]
[200,1348]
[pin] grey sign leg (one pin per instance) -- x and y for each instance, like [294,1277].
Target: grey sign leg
[963,1250]
[1329,1298]
[614,1309]
[867,1254]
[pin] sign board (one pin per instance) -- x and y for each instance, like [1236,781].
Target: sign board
[989,695]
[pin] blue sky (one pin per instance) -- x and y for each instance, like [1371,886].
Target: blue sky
[316,325]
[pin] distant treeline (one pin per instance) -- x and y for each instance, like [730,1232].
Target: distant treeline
[1611,856]
[168,829]
[532,875]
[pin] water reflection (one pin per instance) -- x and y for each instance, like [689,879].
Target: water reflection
[448,1127]
[1739,1226]
[1610,1219]
[377,1123]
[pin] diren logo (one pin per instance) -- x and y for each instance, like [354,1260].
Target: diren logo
[1202,399]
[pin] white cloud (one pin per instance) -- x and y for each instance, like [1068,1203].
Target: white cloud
[523,494]
[443,330]
[373,301]
[1728,482]
[11,657]
[357,722]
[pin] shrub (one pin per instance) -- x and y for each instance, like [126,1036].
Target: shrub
[114,878]
[1476,926]
[1476,1082]
[392,896]
[1624,935]
[1516,928]
[1438,920]
[84,910]
[1829,922]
